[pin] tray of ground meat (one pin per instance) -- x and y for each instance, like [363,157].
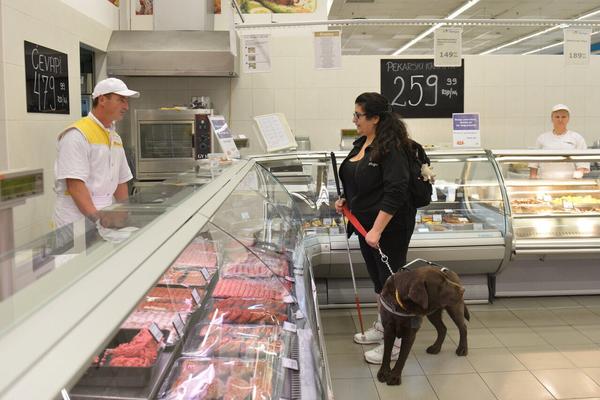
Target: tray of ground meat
[128,361]
[270,288]
[221,379]
[248,311]
[237,341]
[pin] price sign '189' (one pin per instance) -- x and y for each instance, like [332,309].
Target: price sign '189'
[418,89]
[47,80]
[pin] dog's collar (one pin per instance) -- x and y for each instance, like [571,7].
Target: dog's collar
[390,309]
[399,301]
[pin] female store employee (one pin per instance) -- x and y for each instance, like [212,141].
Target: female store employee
[560,138]
[375,178]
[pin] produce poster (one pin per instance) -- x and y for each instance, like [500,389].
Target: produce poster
[273,6]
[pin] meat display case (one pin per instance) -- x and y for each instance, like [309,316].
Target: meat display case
[555,218]
[464,228]
[221,273]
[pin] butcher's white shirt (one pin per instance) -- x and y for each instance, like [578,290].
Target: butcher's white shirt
[100,167]
[559,170]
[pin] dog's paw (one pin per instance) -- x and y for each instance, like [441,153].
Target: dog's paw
[383,374]
[462,351]
[433,349]
[394,380]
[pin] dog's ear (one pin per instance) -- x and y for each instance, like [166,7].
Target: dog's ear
[418,294]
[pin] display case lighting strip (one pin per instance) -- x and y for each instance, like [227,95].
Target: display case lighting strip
[553,28]
[531,158]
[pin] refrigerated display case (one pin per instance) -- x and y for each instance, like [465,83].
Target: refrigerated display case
[213,295]
[464,228]
[555,216]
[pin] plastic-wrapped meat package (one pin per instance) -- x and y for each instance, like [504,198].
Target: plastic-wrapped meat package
[169,299]
[186,277]
[275,289]
[254,268]
[221,379]
[164,319]
[197,255]
[248,311]
[238,341]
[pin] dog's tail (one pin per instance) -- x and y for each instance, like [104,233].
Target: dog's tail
[467,314]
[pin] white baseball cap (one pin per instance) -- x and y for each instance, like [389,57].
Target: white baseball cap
[559,107]
[113,85]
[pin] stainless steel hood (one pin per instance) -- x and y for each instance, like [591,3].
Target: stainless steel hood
[171,53]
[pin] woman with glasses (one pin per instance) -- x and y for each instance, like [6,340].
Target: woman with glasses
[375,177]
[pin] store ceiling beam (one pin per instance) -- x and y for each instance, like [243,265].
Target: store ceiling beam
[423,22]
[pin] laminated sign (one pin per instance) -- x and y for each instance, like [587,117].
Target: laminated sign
[577,46]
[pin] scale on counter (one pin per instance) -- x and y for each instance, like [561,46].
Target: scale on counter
[16,186]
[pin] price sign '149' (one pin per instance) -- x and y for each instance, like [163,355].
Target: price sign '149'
[418,89]
[47,80]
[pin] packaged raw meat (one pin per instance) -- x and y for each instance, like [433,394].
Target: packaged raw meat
[164,319]
[253,267]
[238,341]
[187,277]
[128,361]
[170,299]
[273,288]
[198,254]
[247,311]
[222,378]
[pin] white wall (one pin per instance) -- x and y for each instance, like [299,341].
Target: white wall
[513,94]
[31,137]
[101,11]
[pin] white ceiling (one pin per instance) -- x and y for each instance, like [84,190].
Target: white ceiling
[387,39]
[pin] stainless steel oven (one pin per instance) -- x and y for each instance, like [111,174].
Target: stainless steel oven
[163,141]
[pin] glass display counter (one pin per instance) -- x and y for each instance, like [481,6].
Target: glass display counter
[554,206]
[212,298]
[465,227]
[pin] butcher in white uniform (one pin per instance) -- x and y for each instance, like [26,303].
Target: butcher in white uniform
[560,138]
[90,169]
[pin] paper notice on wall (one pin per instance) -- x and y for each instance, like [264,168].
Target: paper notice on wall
[465,130]
[447,47]
[328,50]
[256,53]
[577,46]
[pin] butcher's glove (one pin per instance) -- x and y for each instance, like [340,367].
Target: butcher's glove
[115,235]
[427,173]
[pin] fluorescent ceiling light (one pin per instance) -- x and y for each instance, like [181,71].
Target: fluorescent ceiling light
[549,46]
[553,28]
[453,15]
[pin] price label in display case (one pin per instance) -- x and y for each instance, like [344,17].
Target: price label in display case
[156,332]
[417,89]
[196,296]
[179,325]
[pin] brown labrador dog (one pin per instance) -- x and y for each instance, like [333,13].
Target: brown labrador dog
[407,296]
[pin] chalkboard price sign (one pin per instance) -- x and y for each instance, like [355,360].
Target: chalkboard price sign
[46,80]
[418,89]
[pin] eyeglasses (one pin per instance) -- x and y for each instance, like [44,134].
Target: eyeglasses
[357,115]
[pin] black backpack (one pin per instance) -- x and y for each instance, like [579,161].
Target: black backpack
[419,190]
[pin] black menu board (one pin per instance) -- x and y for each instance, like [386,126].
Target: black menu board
[418,89]
[46,79]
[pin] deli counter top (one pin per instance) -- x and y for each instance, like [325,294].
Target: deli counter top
[213,292]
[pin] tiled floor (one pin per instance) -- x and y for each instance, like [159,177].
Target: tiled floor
[519,349]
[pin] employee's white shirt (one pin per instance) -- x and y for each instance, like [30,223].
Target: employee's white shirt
[101,167]
[559,170]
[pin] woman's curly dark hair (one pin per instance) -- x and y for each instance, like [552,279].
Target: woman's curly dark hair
[390,132]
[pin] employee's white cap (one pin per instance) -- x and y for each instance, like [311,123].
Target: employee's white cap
[559,107]
[113,85]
